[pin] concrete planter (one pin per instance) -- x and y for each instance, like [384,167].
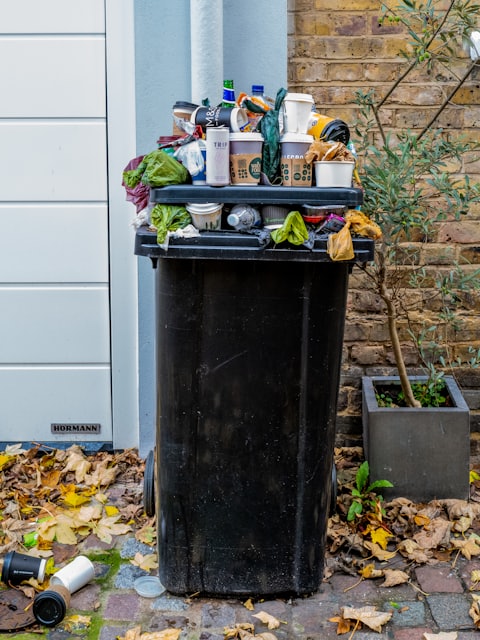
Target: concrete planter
[424,452]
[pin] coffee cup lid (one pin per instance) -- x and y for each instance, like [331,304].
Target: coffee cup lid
[296,137]
[246,135]
[299,97]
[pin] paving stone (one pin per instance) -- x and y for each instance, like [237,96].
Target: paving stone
[217,616]
[438,579]
[132,546]
[408,614]
[450,612]
[110,633]
[413,633]
[466,571]
[126,576]
[86,599]
[121,606]
[169,603]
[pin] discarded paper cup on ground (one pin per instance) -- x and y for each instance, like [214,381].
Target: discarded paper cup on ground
[206,216]
[18,567]
[333,173]
[74,575]
[245,158]
[50,606]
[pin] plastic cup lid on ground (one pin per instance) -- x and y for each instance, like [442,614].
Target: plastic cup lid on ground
[148,586]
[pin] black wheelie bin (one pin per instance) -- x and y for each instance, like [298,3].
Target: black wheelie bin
[248,347]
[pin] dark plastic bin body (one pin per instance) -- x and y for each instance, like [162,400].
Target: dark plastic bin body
[249,351]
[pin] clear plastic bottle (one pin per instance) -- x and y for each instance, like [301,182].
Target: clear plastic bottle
[243,217]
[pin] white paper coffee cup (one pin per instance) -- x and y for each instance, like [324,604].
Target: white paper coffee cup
[74,575]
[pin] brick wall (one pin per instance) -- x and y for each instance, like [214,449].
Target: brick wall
[335,48]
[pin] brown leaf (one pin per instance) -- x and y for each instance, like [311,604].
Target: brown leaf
[368,615]
[378,552]
[267,619]
[436,534]
[343,625]
[394,577]
[475,610]
[468,547]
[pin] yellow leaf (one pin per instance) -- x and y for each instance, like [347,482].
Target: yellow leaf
[474,476]
[74,499]
[421,520]
[380,536]
[248,604]
[367,615]
[76,622]
[111,510]
[369,571]
[166,634]
[147,563]
[4,460]
[107,527]
[267,619]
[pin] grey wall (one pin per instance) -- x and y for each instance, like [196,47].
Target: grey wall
[255,52]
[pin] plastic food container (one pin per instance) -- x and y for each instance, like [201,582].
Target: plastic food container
[317,214]
[333,173]
[206,216]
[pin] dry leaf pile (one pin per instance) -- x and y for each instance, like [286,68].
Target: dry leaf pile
[51,497]
[401,530]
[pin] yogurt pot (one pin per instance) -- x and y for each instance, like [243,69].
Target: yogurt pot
[296,172]
[206,216]
[245,158]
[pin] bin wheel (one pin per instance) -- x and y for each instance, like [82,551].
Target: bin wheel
[149,485]
[333,492]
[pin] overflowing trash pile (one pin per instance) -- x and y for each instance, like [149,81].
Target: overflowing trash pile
[252,141]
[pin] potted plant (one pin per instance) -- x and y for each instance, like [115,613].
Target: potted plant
[412,181]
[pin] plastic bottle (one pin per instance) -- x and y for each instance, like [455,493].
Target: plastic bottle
[243,217]
[228,94]
[258,90]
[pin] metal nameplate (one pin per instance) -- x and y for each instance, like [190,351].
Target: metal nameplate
[66,429]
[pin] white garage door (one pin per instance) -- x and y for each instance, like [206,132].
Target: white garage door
[55,293]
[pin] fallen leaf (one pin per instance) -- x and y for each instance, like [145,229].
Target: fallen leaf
[475,610]
[378,552]
[468,548]
[76,623]
[343,625]
[147,562]
[411,550]
[380,536]
[437,533]
[369,571]
[462,524]
[248,604]
[268,619]
[394,577]
[368,615]
[443,635]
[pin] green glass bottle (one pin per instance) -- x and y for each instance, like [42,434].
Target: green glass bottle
[228,94]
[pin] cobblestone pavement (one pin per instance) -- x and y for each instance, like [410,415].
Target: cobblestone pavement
[438,599]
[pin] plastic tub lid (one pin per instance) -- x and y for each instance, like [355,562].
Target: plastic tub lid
[203,207]
[181,104]
[299,97]
[148,586]
[296,137]
[246,135]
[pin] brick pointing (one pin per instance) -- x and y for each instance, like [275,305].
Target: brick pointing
[335,48]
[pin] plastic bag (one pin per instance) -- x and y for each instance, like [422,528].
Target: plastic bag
[362,225]
[190,155]
[140,193]
[157,169]
[167,218]
[270,130]
[340,244]
[293,230]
